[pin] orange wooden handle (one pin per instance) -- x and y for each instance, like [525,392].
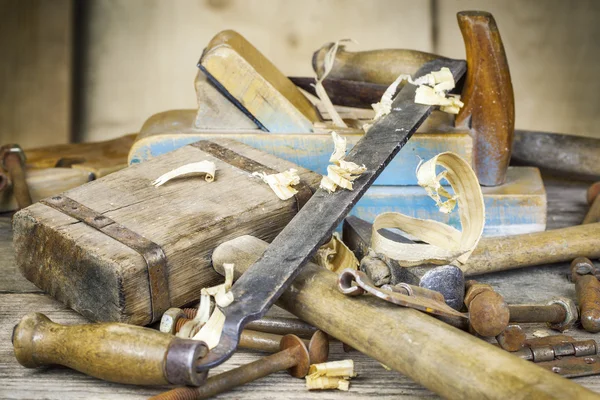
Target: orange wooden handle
[488,96]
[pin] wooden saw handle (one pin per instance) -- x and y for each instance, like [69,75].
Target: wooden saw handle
[111,351]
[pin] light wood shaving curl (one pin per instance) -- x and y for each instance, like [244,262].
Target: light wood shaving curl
[281,183]
[342,173]
[336,256]
[443,243]
[206,168]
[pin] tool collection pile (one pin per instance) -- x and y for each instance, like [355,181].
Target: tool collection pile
[331,238]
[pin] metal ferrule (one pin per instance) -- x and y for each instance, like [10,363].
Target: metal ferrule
[181,359]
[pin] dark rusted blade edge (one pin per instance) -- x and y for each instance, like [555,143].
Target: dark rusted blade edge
[271,275]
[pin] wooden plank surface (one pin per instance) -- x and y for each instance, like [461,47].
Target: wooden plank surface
[566,205]
[35,72]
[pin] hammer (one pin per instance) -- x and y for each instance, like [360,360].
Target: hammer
[444,359]
[489,110]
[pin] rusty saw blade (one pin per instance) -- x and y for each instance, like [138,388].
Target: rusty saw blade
[271,275]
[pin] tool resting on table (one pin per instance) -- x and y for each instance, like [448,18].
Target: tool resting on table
[110,351]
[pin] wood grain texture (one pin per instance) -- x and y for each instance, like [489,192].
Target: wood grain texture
[108,281]
[566,206]
[123,55]
[256,84]
[552,52]
[35,72]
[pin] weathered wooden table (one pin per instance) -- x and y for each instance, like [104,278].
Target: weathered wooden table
[566,206]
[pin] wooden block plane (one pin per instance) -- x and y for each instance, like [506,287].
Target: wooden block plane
[255,85]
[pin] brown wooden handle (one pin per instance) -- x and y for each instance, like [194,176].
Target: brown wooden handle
[114,352]
[374,66]
[488,96]
[450,362]
[517,251]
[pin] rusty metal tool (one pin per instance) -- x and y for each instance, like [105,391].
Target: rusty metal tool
[446,279]
[489,314]
[277,325]
[512,338]
[268,278]
[451,367]
[538,354]
[593,214]
[174,319]
[356,283]
[111,351]
[518,251]
[293,357]
[12,160]
[587,289]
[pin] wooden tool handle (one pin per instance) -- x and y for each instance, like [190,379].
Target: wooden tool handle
[110,351]
[450,362]
[488,96]
[375,66]
[511,252]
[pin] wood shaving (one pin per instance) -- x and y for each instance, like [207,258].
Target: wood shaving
[330,375]
[326,382]
[320,89]
[336,256]
[343,368]
[431,90]
[342,173]
[443,243]
[206,168]
[541,333]
[281,183]
[205,328]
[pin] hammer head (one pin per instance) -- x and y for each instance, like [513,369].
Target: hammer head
[446,279]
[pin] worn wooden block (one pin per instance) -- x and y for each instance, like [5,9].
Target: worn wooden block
[517,206]
[252,82]
[104,279]
[167,131]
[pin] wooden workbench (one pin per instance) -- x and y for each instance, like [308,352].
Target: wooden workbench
[566,206]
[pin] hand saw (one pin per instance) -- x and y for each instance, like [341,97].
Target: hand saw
[267,279]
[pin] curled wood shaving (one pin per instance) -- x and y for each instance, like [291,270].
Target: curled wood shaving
[336,256]
[320,89]
[281,183]
[443,243]
[342,172]
[330,375]
[431,90]
[207,168]
[205,328]
[210,333]
[343,368]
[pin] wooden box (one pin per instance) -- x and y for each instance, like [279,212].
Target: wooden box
[99,248]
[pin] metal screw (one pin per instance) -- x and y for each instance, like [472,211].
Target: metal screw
[587,288]
[560,313]
[512,338]
[318,346]
[277,325]
[293,356]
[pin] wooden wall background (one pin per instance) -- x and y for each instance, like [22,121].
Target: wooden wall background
[137,57]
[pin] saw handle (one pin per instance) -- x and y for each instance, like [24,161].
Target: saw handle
[110,351]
